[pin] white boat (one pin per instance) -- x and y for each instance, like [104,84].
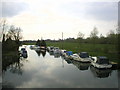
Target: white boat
[23,53]
[56,50]
[51,49]
[34,47]
[75,57]
[101,62]
[48,48]
[82,57]
[62,52]
[31,47]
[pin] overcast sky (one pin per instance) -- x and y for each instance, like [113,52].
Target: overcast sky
[49,18]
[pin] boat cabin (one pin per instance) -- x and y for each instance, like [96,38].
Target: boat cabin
[102,60]
[51,47]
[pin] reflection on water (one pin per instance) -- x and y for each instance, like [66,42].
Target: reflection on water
[13,62]
[57,55]
[51,53]
[10,60]
[41,51]
[39,72]
[101,73]
[80,65]
[68,60]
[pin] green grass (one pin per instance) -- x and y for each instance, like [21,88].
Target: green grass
[108,50]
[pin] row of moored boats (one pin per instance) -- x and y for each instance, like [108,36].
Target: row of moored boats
[100,62]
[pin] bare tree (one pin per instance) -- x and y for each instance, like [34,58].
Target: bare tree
[110,33]
[80,35]
[14,33]
[94,33]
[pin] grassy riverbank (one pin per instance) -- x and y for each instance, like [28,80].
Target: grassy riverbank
[108,50]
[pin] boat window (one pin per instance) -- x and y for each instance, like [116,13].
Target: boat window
[51,48]
[102,61]
[23,49]
[84,55]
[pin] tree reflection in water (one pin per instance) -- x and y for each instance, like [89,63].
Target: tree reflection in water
[12,61]
[38,52]
[41,51]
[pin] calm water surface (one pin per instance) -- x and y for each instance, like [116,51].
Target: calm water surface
[44,70]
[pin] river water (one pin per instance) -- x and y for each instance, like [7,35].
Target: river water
[45,70]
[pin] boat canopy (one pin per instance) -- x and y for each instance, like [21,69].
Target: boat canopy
[83,54]
[23,49]
[102,60]
[51,47]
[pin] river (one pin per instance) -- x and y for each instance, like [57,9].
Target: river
[45,70]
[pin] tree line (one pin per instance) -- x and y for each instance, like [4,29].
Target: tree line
[111,38]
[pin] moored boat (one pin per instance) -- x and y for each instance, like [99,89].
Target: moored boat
[51,49]
[62,51]
[23,53]
[56,50]
[101,62]
[82,57]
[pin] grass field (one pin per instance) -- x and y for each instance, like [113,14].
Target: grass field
[108,50]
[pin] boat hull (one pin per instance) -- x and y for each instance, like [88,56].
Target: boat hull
[107,66]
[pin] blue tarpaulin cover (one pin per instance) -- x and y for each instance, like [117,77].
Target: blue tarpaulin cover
[69,52]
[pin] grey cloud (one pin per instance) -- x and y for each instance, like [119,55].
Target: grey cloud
[10,9]
[97,10]
[103,10]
